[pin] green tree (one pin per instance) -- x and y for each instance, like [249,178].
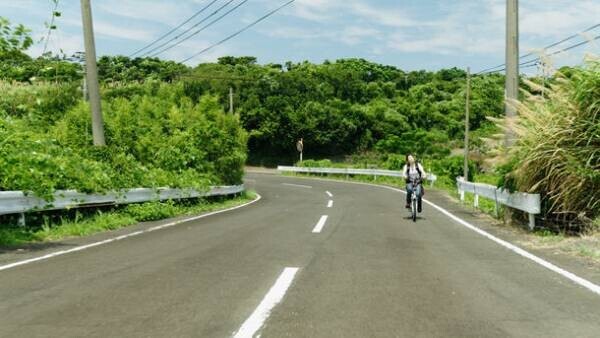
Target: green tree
[14,40]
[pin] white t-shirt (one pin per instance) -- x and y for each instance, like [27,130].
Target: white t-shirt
[413,173]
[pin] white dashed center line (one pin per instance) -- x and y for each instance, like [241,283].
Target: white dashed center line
[262,312]
[320,224]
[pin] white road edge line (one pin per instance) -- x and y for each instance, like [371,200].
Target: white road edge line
[320,224]
[297,185]
[272,298]
[133,234]
[521,252]
[330,203]
[329,194]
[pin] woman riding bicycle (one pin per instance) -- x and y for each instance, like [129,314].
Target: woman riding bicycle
[414,175]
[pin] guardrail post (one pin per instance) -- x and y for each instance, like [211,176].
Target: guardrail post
[21,221]
[531,222]
[496,203]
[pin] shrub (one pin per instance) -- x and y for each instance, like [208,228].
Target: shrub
[41,104]
[452,167]
[152,211]
[557,154]
[156,140]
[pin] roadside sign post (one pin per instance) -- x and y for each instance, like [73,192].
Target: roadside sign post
[300,147]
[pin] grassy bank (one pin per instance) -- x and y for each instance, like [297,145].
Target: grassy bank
[83,223]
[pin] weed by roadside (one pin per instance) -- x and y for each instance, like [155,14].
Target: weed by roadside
[585,246]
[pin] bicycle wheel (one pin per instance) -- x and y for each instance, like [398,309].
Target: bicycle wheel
[414,209]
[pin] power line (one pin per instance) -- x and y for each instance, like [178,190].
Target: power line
[174,29]
[545,48]
[563,40]
[187,29]
[154,51]
[536,61]
[575,46]
[239,32]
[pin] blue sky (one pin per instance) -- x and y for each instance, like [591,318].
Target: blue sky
[410,34]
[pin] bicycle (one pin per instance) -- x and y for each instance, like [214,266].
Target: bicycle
[414,199]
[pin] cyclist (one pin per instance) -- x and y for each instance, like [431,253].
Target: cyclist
[413,172]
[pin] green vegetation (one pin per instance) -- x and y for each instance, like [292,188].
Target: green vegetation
[156,138]
[347,106]
[125,70]
[82,223]
[557,154]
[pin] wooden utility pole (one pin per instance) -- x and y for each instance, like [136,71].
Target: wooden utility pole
[231,100]
[512,65]
[91,73]
[467,104]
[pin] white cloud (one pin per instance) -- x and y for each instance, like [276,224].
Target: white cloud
[391,17]
[558,20]
[354,35]
[164,12]
[350,35]
[110,29]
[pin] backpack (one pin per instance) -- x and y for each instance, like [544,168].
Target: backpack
[418,170]
[420,176]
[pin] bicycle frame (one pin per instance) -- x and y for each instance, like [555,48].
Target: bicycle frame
[414,199]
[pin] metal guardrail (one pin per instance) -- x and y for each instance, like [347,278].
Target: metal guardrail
[350,171]
[530,203]
[17,202]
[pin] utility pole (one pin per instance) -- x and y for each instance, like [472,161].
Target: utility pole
[231,100]
[512,65]
[466,165]
[92,74]
[84,89]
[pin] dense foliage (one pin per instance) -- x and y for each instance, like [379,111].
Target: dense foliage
[347,106]
[557,154]
[124,69]
[157,137]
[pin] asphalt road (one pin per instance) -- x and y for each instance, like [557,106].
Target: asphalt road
[368,272]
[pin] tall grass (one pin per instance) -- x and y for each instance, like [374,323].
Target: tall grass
[558,149]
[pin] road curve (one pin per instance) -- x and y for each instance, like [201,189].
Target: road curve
[297,265]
